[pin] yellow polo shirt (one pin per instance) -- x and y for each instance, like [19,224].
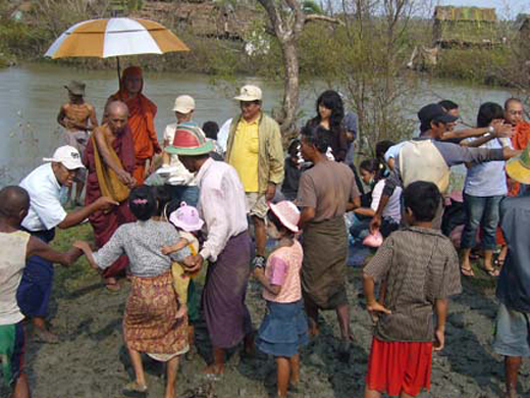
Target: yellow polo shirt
[245,154]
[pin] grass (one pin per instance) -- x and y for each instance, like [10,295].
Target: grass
[80,273]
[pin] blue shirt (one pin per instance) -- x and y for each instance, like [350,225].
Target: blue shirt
[513,286]
[487,179]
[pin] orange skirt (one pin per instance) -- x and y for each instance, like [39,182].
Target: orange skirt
[396,367]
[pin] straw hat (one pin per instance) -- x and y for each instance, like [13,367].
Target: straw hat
[76,87]
[518,168]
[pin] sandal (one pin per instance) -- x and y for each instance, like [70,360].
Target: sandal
[493,272]
[467,272]
[133,389]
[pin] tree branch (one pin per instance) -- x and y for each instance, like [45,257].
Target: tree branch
[325,18]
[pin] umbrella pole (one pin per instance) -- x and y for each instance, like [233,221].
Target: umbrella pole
[119,72]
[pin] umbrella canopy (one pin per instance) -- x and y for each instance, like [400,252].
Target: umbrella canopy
[115,37]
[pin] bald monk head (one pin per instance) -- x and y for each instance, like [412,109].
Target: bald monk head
[14,205]
[118,114]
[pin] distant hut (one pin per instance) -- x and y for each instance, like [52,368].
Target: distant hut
[523,26]
[465,27]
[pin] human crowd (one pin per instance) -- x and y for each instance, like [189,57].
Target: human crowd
[212,198]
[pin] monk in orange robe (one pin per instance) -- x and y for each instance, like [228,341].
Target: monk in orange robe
[142,113]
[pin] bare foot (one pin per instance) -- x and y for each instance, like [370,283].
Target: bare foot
[45,336]
[214,370]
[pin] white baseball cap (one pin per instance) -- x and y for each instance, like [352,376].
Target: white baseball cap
[249,93]
[68,156]
[184,104]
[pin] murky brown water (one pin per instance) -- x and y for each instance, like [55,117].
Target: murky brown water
[31,96]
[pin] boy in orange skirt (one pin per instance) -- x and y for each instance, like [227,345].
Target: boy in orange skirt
[419,270]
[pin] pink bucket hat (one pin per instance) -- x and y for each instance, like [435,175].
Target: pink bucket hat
[287,213]
[186,218]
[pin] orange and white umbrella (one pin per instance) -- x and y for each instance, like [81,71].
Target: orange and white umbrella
[115,37]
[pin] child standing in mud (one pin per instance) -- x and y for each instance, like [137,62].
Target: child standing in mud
[15,247]
[151,322]
[419,270]
[284,328]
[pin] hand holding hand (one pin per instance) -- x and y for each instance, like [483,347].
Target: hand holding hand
[193,263]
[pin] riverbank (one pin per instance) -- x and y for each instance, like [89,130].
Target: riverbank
[91,360]
[27,37]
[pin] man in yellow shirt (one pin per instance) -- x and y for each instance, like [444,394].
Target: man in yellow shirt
[255,150]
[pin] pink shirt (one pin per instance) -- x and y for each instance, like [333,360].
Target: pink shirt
[221,206]
[283,269]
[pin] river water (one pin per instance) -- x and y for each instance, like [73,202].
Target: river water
[32,95]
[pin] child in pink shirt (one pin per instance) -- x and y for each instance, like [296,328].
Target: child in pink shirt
[284,327]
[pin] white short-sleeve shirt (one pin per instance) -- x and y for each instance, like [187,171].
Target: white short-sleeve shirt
[45,210]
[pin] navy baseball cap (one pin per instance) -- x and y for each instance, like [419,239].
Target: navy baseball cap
[434,113]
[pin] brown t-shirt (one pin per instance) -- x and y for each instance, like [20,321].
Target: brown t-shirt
[419,266]
[328,187]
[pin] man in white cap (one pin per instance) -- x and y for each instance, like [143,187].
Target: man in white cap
[255,150]
[181,183]
[45,185]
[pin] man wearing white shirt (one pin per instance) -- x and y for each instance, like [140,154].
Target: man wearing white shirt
[227,246]
[45,185]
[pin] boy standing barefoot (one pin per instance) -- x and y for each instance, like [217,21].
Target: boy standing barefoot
[419,270]
[15,247]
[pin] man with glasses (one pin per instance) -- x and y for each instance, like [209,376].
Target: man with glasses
[45,186]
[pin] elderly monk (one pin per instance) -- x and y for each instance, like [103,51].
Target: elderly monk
[142,113]
[109,158]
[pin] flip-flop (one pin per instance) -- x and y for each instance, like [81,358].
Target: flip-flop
[493,272]
[467,272]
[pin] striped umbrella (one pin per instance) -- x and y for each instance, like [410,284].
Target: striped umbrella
[115,37]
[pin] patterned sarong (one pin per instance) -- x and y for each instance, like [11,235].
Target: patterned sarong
[149,324]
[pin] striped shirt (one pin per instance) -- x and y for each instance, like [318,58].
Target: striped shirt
[419,266]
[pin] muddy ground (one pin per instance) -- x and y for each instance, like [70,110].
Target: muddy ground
[91,360]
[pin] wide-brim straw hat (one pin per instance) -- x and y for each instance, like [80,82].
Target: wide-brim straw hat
[518,168]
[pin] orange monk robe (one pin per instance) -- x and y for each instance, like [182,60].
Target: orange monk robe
[142,113]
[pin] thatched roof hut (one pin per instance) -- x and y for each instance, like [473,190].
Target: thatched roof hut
[465,27]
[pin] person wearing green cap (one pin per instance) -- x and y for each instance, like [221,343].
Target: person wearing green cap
[227,246]
[512,332]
